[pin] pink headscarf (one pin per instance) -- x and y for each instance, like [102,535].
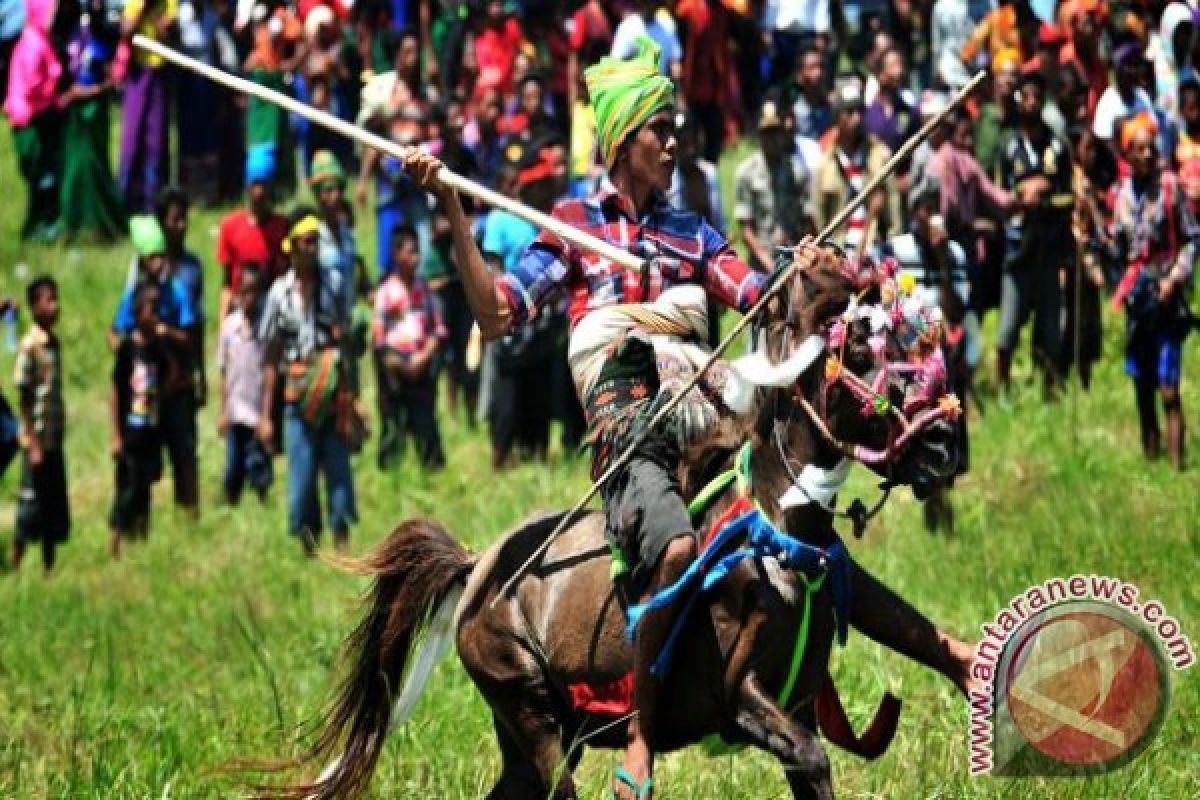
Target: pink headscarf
[35,69]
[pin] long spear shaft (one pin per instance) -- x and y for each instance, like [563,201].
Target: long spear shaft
[839,219]
[568,232]
[368,139]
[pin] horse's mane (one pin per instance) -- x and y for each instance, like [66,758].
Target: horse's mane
[818,294]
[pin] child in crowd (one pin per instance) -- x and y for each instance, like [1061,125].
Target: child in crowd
[407,333]
[43,511]
[141,369]
[239,359]
[161,260]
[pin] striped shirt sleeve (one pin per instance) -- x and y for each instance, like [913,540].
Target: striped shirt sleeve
[726,276]
[543,268]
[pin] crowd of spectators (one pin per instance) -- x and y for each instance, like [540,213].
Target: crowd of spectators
[1072,174]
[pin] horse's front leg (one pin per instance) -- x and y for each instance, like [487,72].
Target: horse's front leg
[769,727]
[887,618]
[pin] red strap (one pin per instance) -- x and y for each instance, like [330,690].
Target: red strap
[736,509]
[831,717]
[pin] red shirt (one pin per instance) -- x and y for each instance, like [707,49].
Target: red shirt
[707,63]
[242,240]
[590,33]
[495,50]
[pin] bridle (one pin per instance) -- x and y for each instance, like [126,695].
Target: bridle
[898,321]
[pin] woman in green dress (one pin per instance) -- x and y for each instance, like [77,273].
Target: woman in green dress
[91,205]
[276,52]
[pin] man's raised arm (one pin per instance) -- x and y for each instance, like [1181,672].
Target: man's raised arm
[488,303]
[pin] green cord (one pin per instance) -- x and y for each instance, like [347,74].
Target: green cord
[740,473]
[708,494]
[700,503]
[811,587]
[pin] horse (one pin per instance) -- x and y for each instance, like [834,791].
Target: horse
[563,625]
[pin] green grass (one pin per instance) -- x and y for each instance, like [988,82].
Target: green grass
[217,639]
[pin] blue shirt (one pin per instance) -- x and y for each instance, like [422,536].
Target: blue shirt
[190,273]
[336,253]
[506,236]
[12,18]
[174,308]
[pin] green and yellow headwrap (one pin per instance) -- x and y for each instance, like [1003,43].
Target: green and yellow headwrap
[147,235]
[625,94]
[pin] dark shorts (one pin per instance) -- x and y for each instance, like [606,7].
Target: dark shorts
[43,511]
[644,511]
[138,469]
[1155,356]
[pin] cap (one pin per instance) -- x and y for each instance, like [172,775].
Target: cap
[317,17]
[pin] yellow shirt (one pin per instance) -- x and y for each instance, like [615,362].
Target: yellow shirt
[583,140]
[996,32]
[168,9]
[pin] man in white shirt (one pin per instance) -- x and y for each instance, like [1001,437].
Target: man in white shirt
[1125,98]
[950,27]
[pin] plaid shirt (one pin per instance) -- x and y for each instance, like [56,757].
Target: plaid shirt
[405,316]
[680,246]
[302,326]
[38,378]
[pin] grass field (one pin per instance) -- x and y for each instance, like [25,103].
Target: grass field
[216,639]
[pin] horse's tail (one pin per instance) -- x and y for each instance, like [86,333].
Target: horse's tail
[419,573]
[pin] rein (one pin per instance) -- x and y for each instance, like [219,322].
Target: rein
[900,319]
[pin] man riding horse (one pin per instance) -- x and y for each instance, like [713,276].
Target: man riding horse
[647,519]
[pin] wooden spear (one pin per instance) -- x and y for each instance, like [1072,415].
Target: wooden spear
[368,139]
[568,232]
[900,155]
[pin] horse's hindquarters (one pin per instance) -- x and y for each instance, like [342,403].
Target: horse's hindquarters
[564,614]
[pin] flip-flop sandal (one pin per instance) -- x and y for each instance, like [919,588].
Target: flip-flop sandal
[640,790]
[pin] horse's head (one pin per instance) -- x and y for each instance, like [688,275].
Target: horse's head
[877,392]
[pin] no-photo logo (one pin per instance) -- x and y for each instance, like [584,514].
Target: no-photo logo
[1073,687]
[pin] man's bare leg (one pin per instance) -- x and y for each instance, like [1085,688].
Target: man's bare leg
[1147,408]
[651,633]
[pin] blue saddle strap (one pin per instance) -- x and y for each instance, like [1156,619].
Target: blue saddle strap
[763,539]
